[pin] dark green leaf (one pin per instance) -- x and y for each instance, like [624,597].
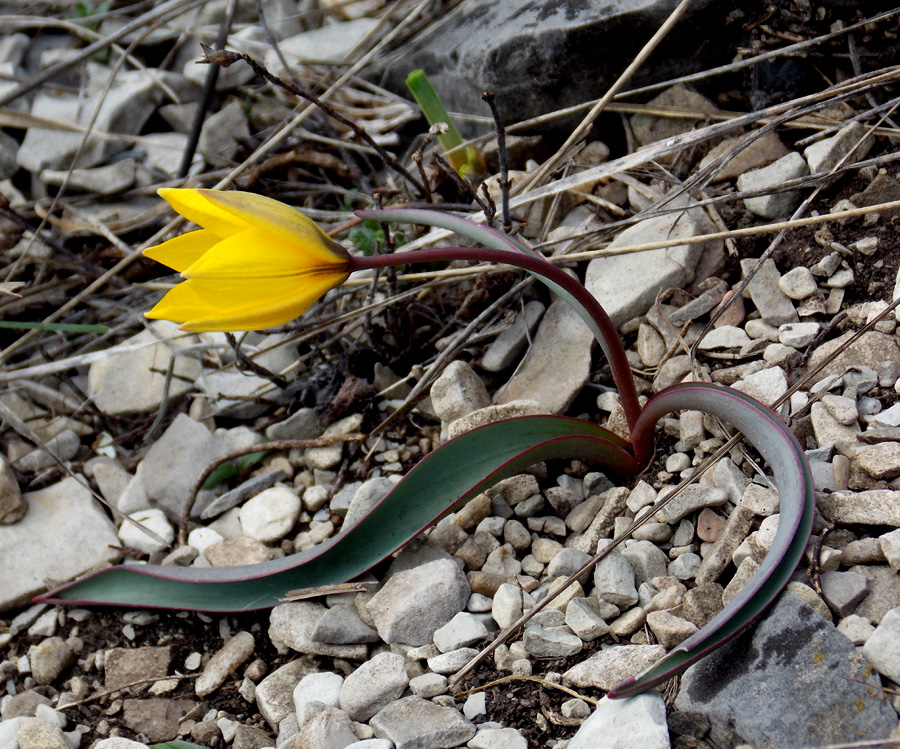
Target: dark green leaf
[442,482]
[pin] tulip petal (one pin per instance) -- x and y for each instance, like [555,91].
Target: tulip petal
[181,251]
[255,254]
[281,220]
[236,304]
[196,206]
[180,304]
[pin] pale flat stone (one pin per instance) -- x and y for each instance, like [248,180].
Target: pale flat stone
[639,721]
[62,517]
[458,391]
[510,343]
[609,668]
[775,204]
[132,382]
[557,365]
[765,291]
[650,272]
[482,416]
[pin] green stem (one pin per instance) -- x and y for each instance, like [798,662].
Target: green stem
[606,332]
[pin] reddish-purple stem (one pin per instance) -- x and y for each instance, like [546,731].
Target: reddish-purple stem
[615,353]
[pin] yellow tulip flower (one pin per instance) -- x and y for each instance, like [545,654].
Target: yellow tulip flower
[255,263]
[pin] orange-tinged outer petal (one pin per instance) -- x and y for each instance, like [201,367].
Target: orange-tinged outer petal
[196,206]
[278,219]
[181,251]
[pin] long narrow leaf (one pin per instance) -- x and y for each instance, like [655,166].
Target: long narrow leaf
[441,483]
[777,444]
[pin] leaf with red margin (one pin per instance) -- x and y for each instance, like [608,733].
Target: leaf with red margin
[440,483]
[777,444]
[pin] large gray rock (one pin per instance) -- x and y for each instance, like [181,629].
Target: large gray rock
[765,686]
[540,57]
[65,519]
[134,381]
[124,110]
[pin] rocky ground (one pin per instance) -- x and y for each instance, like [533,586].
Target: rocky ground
[134,415]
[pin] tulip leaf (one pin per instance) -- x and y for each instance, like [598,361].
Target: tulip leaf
[440,483]
[777,444]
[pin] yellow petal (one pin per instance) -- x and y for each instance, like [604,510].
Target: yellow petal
[279,219]
[179,304]
[196,206]
[262,305]
[254,254]
[179,253]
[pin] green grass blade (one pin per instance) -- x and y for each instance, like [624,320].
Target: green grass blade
[463,160]
[63,327]
[777,444]
[442,482]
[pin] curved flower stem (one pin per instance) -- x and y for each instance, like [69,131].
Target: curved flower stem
[603,327]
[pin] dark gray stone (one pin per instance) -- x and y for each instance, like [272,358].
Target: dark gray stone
[538,57]
[765,687]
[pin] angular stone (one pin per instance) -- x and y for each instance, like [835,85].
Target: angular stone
[765,291]
[609,668]
[614,580]
[550,643]
[557,365]
[458,391]
[173,463]
[462,630]
[766,385]
[509,344]
[760,686]
[649,272]
[275,693]
[157,718]
[324,687]
[871,348]
[843,590]
[828,152]
[872,507]
[224,663]
[414,603]
[154,521]
[694,497]
[414,723]
[495,413]
[880,461]
[374,685]
[624,724]
[293,624]
[342,625]
[63,517]
[132,382]
[774,204]
[126,665]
